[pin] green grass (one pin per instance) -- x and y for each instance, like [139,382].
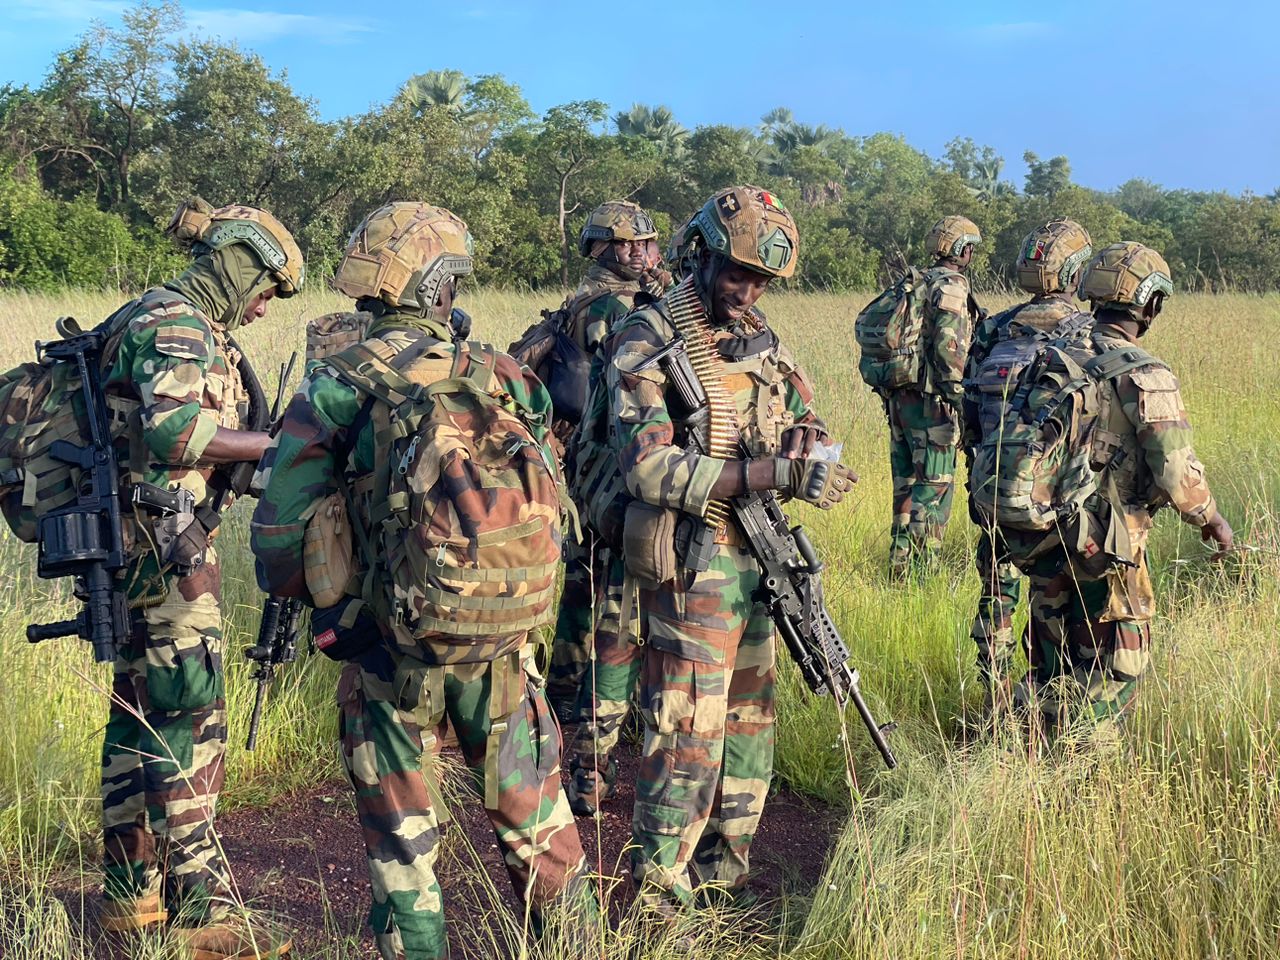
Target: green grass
[1169,849]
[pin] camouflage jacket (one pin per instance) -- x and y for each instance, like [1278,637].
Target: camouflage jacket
[1147,439]
[770,389]
[949,315]
[298,468]
[1043,313]
[601,300]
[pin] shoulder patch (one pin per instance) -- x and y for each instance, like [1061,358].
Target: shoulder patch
[1159,400]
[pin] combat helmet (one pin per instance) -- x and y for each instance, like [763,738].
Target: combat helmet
[199,227]
[1051,255]
[403,253]
[1125,276]
[751,227]
[951,235]
[615,220]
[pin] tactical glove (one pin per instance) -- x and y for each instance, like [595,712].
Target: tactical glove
[823,482]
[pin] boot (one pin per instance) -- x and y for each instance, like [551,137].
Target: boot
[126,916]
[234,937]
[588,789]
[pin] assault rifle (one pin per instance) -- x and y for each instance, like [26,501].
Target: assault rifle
[84,539]
[791,584]
[278,630]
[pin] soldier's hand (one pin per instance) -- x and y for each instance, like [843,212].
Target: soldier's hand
[1220,532]
[798,441]
[823,482]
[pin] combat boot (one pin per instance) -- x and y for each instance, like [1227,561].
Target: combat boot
[127,916]
[234,937]
[589,788]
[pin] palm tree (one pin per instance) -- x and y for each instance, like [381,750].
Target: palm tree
[985,183]
[436,88]
[658,125]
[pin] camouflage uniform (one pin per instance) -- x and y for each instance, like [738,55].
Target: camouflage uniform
[394,699]
[923,419]
[707,685]
[1090,636]
[599,303]
[167,693]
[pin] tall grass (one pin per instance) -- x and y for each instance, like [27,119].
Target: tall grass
[1164,849]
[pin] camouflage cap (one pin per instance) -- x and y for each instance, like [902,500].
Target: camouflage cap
[1125,276]
[402,253]
[951,235]
[199,227]
[1051,255]
[615,220]
[751,227]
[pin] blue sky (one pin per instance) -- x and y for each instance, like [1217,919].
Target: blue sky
[1180,93]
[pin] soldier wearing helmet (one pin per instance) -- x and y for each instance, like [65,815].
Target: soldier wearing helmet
[707,682]
[621,241]
[401,267]
[1050,262]
[1090,633]
[178,367]
[923,416]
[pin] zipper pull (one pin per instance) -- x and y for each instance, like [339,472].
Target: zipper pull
[408,456]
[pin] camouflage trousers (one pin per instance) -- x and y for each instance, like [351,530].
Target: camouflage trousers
[922,457]
[1089,639]
[1000,583]
[707,699]
[612,674]
[162,757]
[571,648]
[392,710]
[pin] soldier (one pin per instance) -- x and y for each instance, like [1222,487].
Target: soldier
[707,682]
[923,417]
[1090,633]
[620,240]
[1048,267]
[166,735]
[398,685]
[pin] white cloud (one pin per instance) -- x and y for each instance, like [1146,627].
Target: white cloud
[66,11]
[258,26]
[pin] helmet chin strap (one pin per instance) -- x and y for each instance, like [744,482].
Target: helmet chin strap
[609,260]
[704,279]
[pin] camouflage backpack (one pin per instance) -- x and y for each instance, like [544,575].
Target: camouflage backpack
[592,470]
[39,404]
[1041,394]
[460,519]
[889,331]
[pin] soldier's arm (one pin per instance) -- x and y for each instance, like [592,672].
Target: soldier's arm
[654,468]
[602,315]
[1153,403]
[296,474]
[169,366]
[949,347]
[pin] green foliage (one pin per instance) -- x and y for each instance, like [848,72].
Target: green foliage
[133,119]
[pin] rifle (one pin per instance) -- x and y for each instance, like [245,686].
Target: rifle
[791,584]
[278,630]
[84,539]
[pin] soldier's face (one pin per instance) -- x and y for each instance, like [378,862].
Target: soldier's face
[258,305]
[631,253]
[736,291]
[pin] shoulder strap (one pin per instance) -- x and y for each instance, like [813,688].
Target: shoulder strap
[1114,363]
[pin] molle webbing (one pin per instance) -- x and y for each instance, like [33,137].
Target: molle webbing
[690,320]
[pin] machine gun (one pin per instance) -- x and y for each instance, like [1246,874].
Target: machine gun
[791,585]
[278,630]
[85,539]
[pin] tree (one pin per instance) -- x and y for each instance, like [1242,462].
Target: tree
[444,89]
[1045,178]
[657,125]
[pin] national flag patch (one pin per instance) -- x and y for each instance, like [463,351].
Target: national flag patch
[1035,250]
[769,200]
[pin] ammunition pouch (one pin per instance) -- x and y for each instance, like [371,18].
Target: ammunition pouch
[328,551]
[649,542]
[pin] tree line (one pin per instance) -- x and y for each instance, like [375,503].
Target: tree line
[132,119]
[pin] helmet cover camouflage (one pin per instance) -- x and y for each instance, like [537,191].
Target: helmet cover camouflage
[1051,255]
[1125,276]
[751,227]
[402,254]
[678,249]
[951,235]
[615,220]
[199,227]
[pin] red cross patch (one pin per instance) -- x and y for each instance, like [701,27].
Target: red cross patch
[1003,371]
